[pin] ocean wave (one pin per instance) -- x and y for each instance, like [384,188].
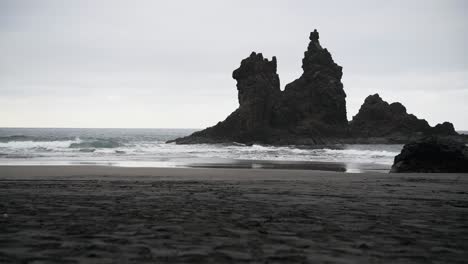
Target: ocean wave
[23,138]
[259,147]
[100,146]
[87,150]
[21,156]
[37,145]
[362,152]
[100,143]
[43,149]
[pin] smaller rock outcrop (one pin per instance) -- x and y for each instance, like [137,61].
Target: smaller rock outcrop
[432,154]
[445,129]
[377,118]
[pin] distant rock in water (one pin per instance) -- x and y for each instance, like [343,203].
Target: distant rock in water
[311,109]
[377,118]
[432,154]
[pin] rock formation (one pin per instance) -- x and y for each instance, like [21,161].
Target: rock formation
[445,128]
[258,90]
[377,118]
[315,104]
[310,110]
[432,154]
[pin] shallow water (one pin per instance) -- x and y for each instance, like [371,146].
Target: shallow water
[147,148]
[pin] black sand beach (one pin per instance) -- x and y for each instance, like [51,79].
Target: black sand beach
[86,214]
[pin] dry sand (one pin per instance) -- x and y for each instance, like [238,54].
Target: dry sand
[86,214]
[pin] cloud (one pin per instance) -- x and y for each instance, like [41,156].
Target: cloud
[185,51]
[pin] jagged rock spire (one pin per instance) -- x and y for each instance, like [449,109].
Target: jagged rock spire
[317,58]
[253,65]
[316,101]
[314,41]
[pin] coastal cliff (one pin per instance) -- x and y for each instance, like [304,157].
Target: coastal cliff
[311,110]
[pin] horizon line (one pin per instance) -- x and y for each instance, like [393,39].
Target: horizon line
[458,130]
[105,127]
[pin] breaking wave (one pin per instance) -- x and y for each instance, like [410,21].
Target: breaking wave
[117,145]
[37,145]
[24,138]
[101,143]
[360,153]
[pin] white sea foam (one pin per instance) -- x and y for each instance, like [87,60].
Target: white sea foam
[52,145]
[118,147]
[361,153]
[155,150]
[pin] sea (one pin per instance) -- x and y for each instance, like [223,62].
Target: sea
[148,148]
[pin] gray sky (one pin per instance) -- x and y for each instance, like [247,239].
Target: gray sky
[169,63]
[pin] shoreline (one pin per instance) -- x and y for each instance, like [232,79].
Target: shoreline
[220,163]
[13,172]
[44,172]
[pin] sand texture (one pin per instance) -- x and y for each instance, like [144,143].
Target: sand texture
[128,215]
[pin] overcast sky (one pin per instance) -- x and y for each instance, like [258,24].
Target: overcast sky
[169,63]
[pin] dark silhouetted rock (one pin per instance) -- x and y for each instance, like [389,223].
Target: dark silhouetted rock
[314,105]
[377,118]
[445,128]
[432,154]
[258,90]
[311,110]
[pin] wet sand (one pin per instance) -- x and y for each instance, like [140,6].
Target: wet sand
[87,214]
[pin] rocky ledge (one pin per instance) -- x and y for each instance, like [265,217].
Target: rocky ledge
[311,110]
